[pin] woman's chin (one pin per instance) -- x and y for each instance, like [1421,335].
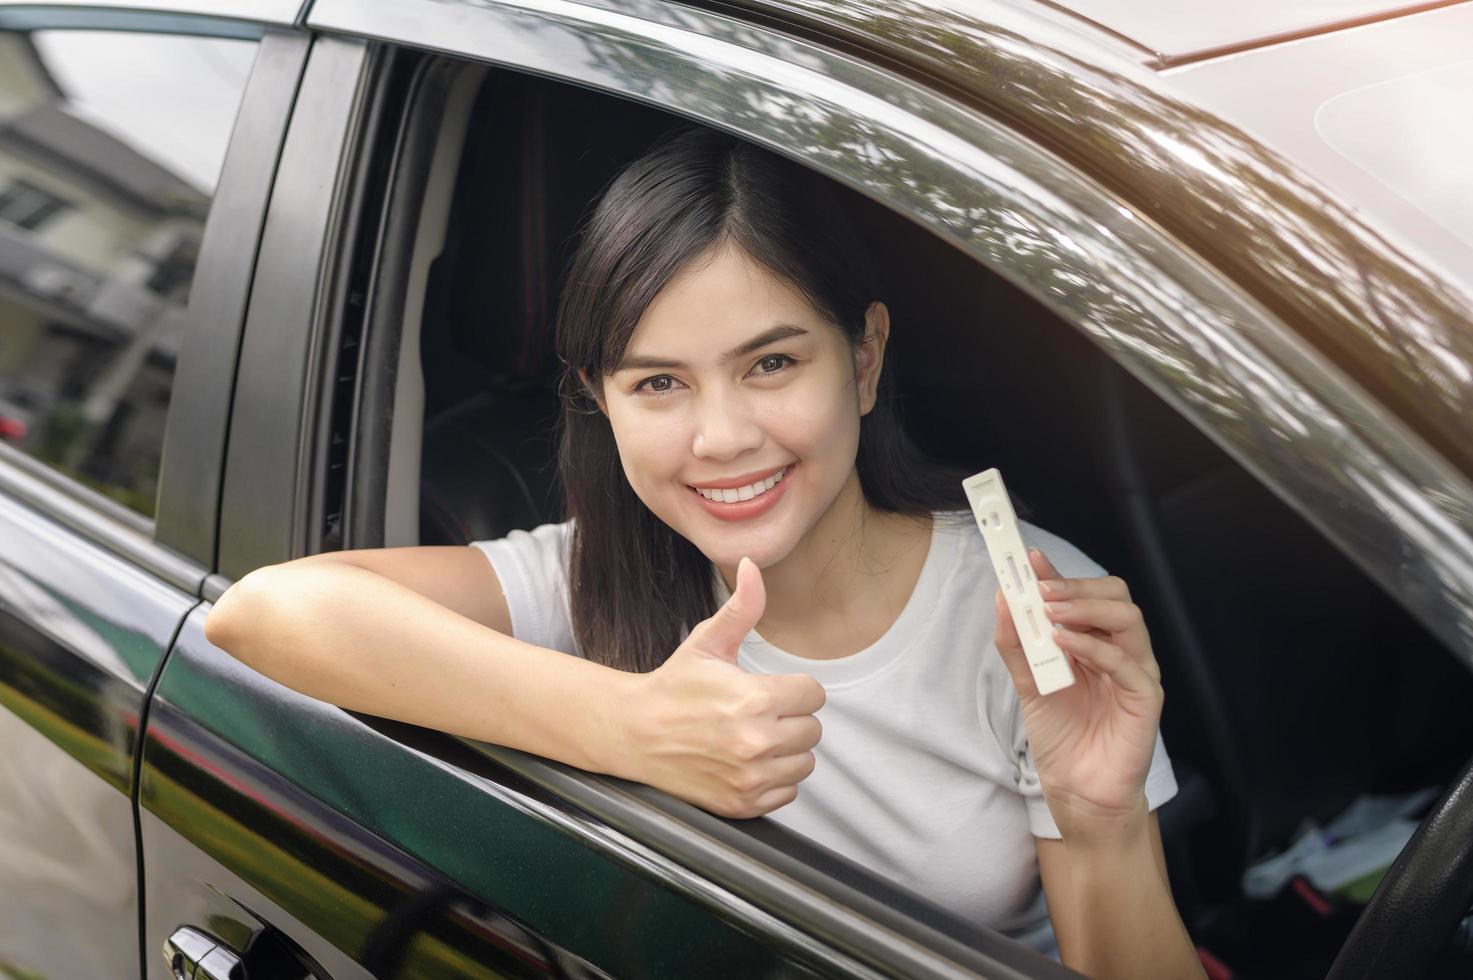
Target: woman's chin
[726,551]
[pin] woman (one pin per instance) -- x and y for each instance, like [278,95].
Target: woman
[730,461]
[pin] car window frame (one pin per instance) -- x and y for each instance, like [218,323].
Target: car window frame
[279,469]
[200,406]
[160,545]
[169,16]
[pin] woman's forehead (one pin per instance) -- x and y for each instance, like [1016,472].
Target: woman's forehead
[717,303]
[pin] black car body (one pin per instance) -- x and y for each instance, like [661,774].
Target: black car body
[1109,234]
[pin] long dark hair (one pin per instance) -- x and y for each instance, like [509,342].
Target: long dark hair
[636,586]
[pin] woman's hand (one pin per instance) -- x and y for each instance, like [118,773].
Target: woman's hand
[706,731]
[1092,742]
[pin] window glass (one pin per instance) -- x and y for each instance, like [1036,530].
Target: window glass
[110,147]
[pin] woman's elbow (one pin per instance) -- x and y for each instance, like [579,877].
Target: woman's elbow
[239,610]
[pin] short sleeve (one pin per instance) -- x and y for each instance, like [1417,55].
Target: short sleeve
[533,569]
[1160,784]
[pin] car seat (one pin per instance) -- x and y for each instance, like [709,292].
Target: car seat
[488,460]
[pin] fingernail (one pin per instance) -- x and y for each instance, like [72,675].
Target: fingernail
[1057,607]
[1050,587]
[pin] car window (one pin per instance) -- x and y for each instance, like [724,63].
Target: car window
[110,147]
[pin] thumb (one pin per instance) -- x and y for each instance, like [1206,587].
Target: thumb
[1005,637]
[722,634]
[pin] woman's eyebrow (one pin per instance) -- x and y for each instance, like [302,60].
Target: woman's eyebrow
[772,335]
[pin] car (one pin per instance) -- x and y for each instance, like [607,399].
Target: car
[14,422]
[281,275]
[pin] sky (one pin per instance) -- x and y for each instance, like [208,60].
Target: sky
[172,98]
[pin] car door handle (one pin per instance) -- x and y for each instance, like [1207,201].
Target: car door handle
[194,955]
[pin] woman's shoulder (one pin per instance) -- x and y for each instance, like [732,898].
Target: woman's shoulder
[551,536]
[532,567]
[541,552]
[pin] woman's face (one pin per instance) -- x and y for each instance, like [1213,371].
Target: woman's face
[736,408]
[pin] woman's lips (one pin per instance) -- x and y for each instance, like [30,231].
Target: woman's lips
[742,510]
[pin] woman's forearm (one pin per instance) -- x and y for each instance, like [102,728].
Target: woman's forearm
[356,639]
[1124,922]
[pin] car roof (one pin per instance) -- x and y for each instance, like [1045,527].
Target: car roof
[1373,113]
[1173,31]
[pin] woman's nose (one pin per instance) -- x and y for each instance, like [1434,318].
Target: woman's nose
[724,429]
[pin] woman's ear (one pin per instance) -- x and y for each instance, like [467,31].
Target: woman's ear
[869,358]
[595,391]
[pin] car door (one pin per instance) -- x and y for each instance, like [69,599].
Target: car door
[111,259]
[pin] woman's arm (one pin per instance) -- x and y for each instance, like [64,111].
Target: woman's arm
[404,634]
[1093,743]
[337,631]
[1111,906]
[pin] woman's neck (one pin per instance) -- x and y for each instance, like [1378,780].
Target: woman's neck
[844,584]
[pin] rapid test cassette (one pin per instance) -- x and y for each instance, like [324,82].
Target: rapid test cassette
[993,510]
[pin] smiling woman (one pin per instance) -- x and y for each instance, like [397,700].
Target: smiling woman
[747,414]
[735,275]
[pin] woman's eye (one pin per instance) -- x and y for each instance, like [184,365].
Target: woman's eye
[659,384]
[773,363]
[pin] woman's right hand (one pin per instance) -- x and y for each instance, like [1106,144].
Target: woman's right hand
[702,729]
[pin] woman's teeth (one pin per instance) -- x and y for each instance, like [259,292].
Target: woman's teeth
[743,493]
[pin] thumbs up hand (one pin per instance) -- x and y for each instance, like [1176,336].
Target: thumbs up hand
[708,732]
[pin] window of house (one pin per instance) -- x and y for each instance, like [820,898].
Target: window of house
[29,207]
[109,154]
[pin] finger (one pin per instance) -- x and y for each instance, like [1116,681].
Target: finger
[1007,630]
[786,770]
[798,733]
[776,797]
[722,634]
[1008,646]
[1102,587]
[1110,660]
[1042,566]
[796,694]
[1113,615]
[1112,621]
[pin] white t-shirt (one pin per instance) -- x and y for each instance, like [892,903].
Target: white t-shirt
[924,771]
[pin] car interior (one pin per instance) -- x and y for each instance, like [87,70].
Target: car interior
[1294,683]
